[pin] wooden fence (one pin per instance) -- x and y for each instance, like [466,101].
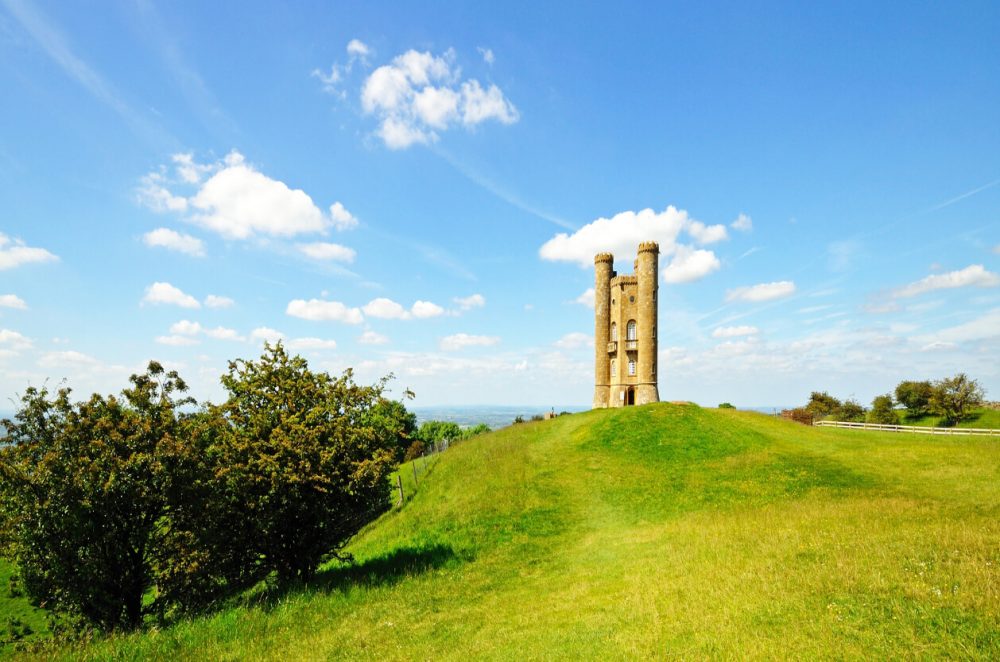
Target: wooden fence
[919,429]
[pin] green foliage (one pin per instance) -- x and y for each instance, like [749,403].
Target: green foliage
[822,404]
[954,397]
[851,411]
[726,405]
[432,431]
[475,431]
[882,411]
[392,417]
[301,462]
[416,449]
[915,396]
[84,489]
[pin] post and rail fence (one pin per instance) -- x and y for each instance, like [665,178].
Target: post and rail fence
[919,429]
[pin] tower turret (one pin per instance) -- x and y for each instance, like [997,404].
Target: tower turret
[647,268]
[603,263]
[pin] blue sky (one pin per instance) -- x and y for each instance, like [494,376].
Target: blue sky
[421,189]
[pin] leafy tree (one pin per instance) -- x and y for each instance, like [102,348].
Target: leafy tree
[84,493]
[476,430]
[915,396]
[726,405]
[301,461]
[882,411]
[432,431]
[416,449]
[822,404]
[953,398]
[399,424]
[851,411]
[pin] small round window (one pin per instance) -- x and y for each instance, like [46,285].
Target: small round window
[631,299]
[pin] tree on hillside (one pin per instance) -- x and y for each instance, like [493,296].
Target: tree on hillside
[915,396]
[84,494]
[302,460]
[882,411]
[432,431]
[851,411]
[822,404]
[953,398]
[396,422]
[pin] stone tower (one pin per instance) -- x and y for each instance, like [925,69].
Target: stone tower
[625,343]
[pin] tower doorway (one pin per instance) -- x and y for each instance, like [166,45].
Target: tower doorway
[630,397]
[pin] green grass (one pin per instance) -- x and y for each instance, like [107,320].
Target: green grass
[19,620]
[650,532]
[980,418]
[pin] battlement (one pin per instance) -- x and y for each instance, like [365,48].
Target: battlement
[649,246]
[604,257]
[630,279]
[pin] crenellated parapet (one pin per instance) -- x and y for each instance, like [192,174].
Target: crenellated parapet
[649,246]
[624,279]
[604,257]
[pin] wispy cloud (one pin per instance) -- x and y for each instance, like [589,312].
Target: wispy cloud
[963,196]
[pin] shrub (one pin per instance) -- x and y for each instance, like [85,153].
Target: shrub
[468,433]
[416,449]
[915,396]
[432,431]
[850,411]
[726,405]
[822,404]
[882,411]
[953,398]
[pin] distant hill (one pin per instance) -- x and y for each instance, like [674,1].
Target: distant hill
[650,532]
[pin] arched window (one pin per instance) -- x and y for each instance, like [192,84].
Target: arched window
[631,330]
[631,368]
[614,331]
[612,370]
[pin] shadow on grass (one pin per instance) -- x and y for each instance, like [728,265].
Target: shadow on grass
[383,570]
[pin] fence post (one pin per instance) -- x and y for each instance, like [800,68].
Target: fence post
[399,484]
[414,467]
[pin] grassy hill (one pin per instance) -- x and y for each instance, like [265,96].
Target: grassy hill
[980,418]
[665,530]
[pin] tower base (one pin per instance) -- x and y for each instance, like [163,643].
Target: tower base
[600,397]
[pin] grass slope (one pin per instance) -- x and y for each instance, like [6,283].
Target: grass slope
[650,532]
[980,418]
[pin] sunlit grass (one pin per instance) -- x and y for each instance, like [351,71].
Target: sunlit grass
[650,532]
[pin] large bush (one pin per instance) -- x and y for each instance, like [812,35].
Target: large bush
[84,493]
[915,396]
[954,397]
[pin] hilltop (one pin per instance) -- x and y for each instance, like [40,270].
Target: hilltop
[646,532]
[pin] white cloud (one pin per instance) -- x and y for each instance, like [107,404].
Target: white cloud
[937,346]
[357,48]
[487,54]
[743,223]
[425,309]
[384,308]
[986,326]
[154,194]
[762,292]
[734,331]
[707,234]
[67,358]
[188,170]
[14,340]
[266,334]
[319,310]
[972,276]
[470,302]
[342,219]
[311,343]
[322,250]
[418,94]
[185,328]
[586,298]
[14,253]
[223,333]
[689,265]
[622,233]
[575,340]
[165,293]
[216,301]
[12,301]
[462,340]
[176,340]
[174,241]
[372,338]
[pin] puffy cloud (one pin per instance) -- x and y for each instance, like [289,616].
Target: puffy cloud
[12,301]
[372,338]
[418,94]
[237,201]
[266,334]
[470,302]
[319,310]
[223,333]
[622,233]
[176,340]
[425,309]
[734,331]
[185,328]
[14,253]
[14,340]
[689,265]
[586,298]
[972,276]
[165,293]
[216,301]
[311,343]
[67,358]
[322,250]
[383,308]
[743,223]
[762,292]
[575,340]
[487,54]
[462,340]
[175,241]
[357,48]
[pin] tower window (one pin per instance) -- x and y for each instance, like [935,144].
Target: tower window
[654,367]
[631,368]
[614,331]
[631,330]
[631,299]
[612,369]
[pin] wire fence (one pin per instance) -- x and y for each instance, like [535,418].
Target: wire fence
[420,468]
